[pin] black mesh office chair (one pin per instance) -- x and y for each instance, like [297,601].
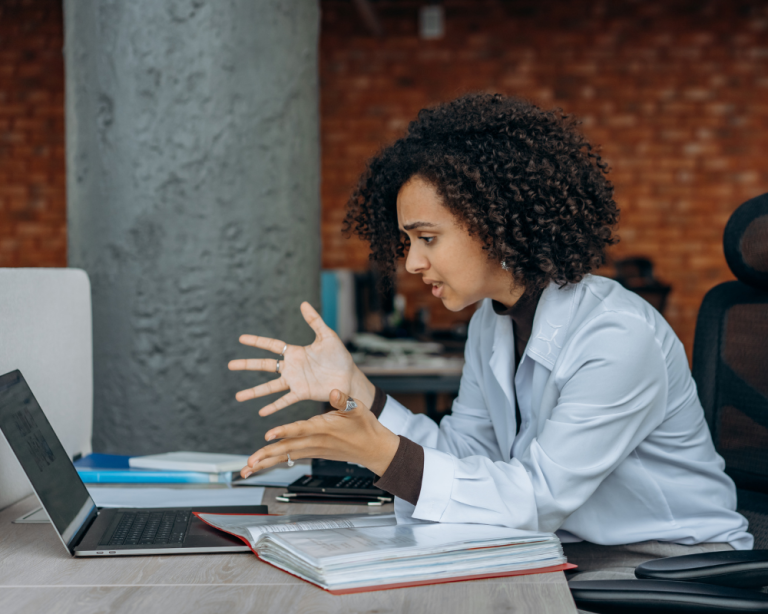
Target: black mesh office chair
[730,362]
[730,366]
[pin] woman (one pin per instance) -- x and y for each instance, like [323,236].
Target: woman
[577,412]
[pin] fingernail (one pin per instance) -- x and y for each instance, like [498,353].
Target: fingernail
[247,474]
[270,437]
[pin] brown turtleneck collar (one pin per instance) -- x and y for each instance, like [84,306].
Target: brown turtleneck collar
[522,313]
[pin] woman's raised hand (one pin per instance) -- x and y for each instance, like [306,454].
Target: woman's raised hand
[309,372]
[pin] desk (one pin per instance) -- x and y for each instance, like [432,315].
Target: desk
[37,575]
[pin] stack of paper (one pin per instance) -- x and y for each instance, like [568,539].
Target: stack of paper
[190,461]
[355,553]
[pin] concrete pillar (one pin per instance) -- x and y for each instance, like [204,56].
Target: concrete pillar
[193,204]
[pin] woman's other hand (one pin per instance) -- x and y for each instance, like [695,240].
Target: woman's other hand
[309,372]
[355,436]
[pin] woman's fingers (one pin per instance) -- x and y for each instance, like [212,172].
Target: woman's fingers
[253,364]
[281,403]
[276,385]
[263,343]
[297,448]
[266,463]
[313,319]
[302,428]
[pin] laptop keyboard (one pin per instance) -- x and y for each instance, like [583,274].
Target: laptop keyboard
[149,528]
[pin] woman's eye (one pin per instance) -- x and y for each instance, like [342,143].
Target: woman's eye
[427,240]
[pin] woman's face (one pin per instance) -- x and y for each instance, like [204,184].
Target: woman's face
[445,255]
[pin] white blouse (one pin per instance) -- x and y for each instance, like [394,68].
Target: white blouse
[613,447]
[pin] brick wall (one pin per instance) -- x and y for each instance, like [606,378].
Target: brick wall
[33,213]
[675,91]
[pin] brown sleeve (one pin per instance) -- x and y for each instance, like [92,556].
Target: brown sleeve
[379,401]
[403,477]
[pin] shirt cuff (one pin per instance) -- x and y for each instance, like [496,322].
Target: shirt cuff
[438,478]
[404,474]
[379,400]
[395,417]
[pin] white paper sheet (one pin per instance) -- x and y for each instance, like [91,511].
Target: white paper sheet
[279,477]
[174,497]
[251,527]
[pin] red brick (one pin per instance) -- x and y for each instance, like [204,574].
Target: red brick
[676,112]
[32,174]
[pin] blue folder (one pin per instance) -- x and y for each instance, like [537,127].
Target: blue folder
[114,469]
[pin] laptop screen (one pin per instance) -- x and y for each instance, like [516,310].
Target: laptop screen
[53,476]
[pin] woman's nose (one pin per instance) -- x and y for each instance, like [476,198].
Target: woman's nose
[415,262]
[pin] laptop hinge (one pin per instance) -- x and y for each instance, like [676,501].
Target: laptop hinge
[75,541]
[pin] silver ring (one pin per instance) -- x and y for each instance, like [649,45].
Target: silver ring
[277,367]
[290,462]
[350,404]
[282,354]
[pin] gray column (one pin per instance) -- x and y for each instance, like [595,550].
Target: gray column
[193,205]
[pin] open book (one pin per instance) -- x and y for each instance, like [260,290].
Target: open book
[349,553]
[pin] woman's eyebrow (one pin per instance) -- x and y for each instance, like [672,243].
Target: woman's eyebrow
[420,225]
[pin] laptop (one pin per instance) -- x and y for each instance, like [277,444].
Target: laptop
[85,529]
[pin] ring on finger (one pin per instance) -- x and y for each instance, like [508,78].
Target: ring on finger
[290,462]
[282,354]
[277,367]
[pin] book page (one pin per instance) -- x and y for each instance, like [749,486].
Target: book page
[251,527]
[316,523]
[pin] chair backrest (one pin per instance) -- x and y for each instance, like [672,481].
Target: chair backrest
[730,352]
[45,331]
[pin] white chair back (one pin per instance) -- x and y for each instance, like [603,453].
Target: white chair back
[45,331]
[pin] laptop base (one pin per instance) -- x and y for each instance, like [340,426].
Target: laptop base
[198,537]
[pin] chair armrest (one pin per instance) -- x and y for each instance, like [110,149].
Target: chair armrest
[740,568]
[663,596]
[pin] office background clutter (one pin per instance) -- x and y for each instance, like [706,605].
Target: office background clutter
[675,92]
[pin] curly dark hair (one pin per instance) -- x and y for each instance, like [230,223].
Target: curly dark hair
[522,179]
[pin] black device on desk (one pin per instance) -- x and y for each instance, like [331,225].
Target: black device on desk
[337,481]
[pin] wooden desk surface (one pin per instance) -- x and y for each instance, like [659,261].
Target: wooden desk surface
[37,575]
